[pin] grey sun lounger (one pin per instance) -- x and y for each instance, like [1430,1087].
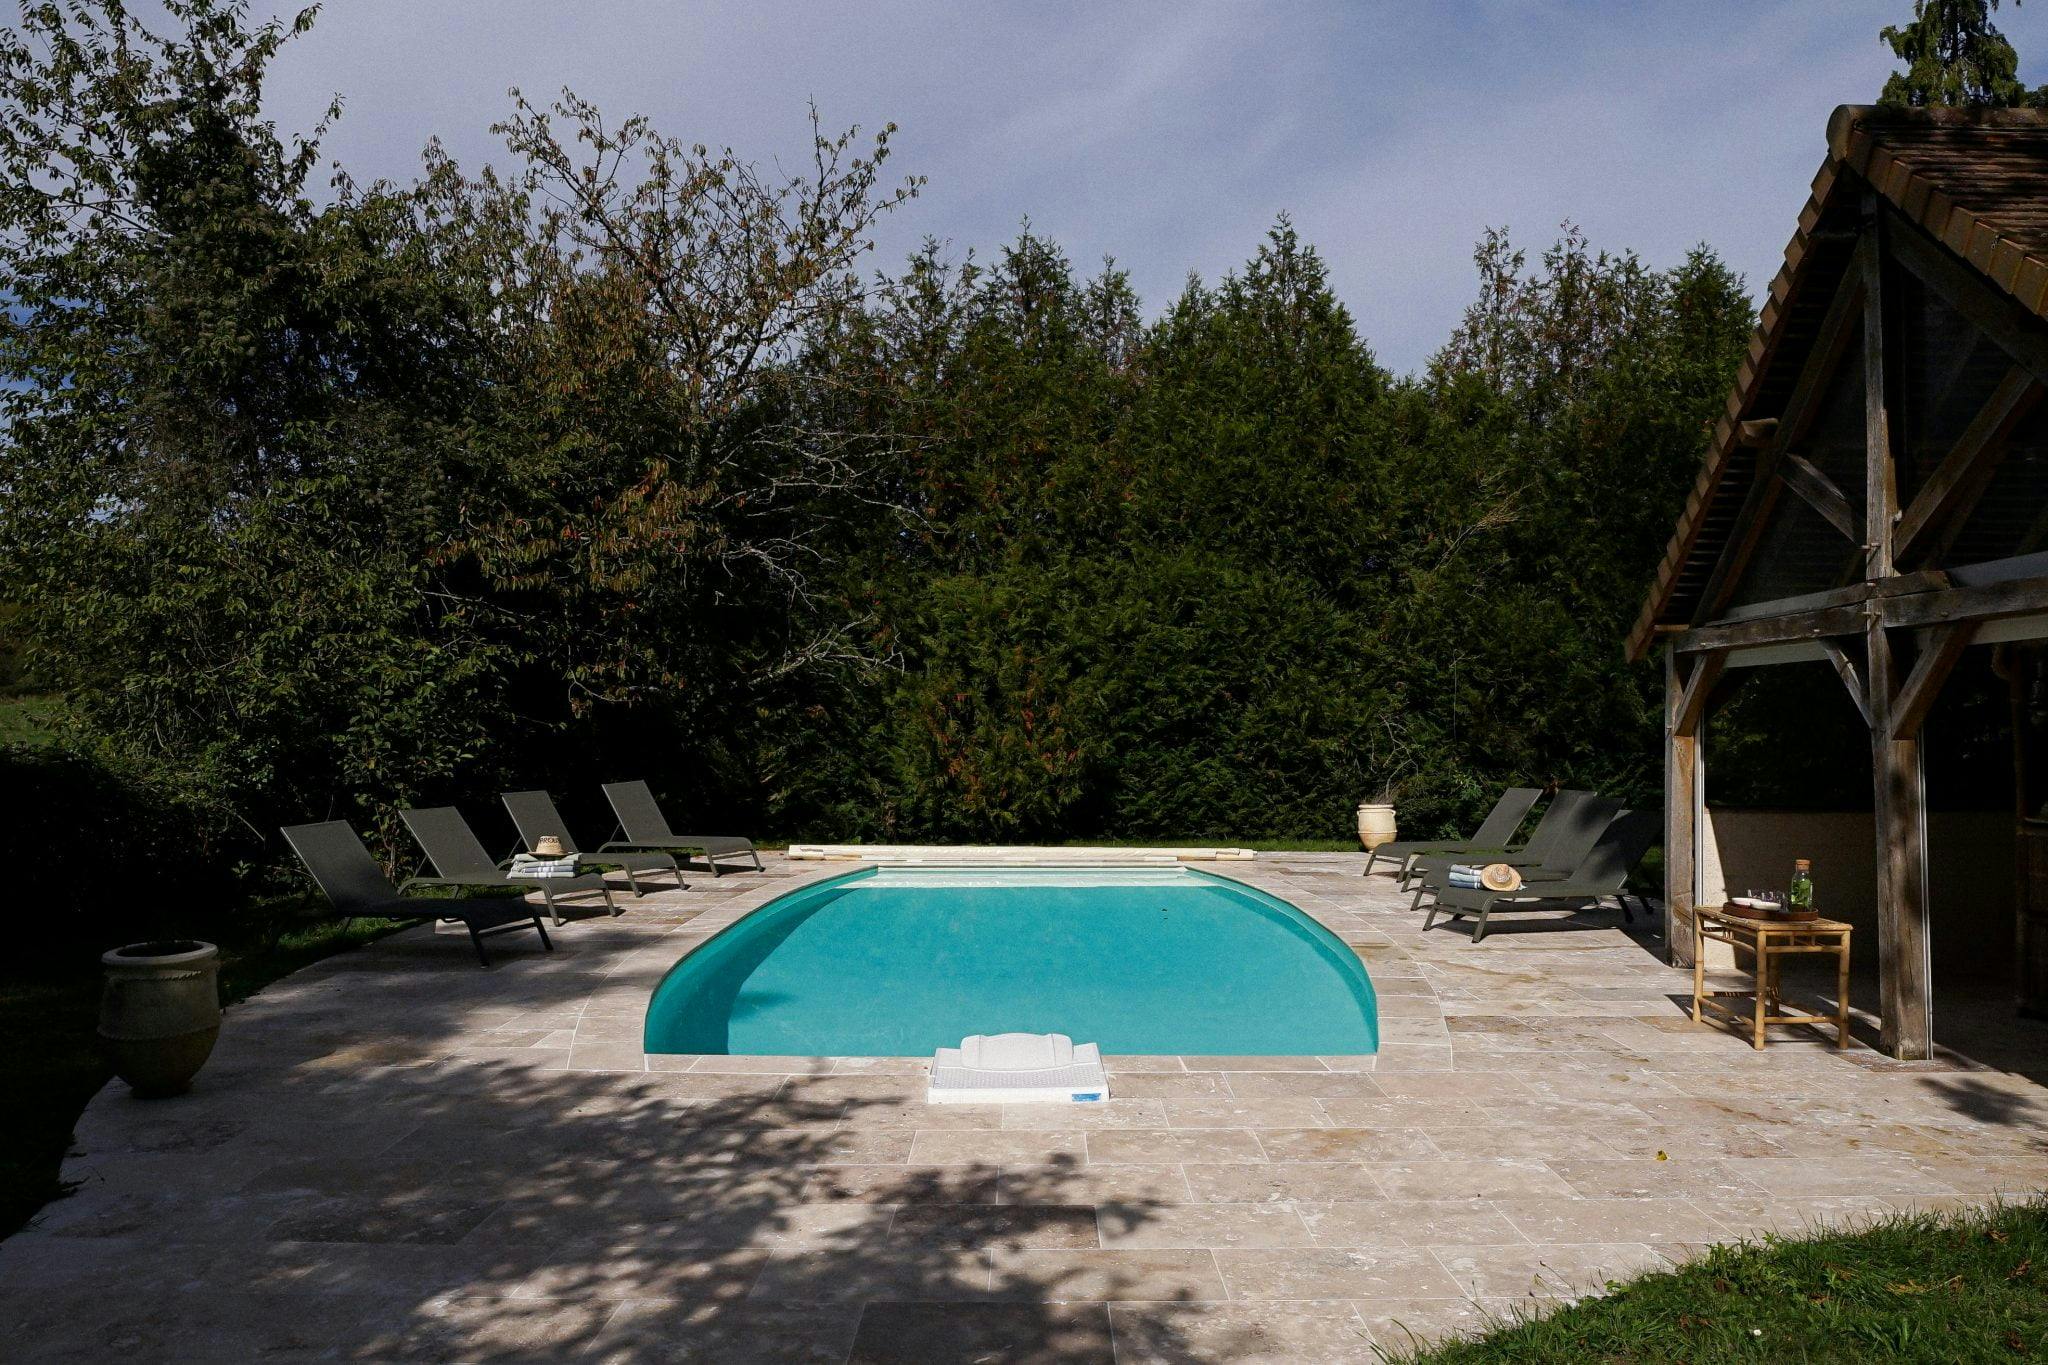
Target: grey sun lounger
[644,826]
[1561,841]
[460,859]
[1561,813]
[534,814]
[1493,835]
[1604,873]
[350,878]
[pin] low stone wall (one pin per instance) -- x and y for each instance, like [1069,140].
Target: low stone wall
[1969,871]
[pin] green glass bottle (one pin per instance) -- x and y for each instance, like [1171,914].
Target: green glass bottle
[1799,895]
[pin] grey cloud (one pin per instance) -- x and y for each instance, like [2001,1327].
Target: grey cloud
[1170,136]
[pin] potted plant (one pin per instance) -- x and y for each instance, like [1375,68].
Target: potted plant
[1377,822]
[160,1013]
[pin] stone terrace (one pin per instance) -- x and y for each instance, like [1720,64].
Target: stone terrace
[394,1155]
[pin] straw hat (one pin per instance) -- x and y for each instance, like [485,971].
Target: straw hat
[1500,877]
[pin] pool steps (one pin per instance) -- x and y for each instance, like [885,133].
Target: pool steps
[1018,1068]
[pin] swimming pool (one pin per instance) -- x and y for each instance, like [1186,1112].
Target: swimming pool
[895,962]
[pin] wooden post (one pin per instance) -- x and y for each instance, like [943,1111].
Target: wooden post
[1899,809]
[1898,784]
[1880,477]
[1683,774]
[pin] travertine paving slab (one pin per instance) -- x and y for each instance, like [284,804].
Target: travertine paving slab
[1334,1273]
[1549,1271]
[1287,1182]
[395,1155]
[996,1225]
[1261,1334]
[1204,1225]
[1034,1334]
[1408,1223]
[1611,1220]
[1406,1324]
[1147,1276]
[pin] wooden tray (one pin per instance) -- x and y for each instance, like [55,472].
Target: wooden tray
[1782,916]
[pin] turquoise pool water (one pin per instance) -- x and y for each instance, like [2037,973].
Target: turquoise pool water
[896,962]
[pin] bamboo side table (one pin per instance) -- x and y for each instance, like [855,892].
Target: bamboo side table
[1771,941]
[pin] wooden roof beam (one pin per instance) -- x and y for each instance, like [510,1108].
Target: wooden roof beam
[1937,660]
[1907,602]
[1952,491]
[1988,602]
[1757,433]
[1805,478]
[1999,258]
[2017,331]
[1845,310]
[1880,467]
[1749,376]
[1692,703]
[1845,669]
[1815,624]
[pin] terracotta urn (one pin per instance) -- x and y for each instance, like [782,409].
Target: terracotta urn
[160,1013]
[1375,824]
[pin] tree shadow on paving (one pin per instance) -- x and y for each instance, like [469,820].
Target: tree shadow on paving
[1539,921]
[1979,1099]
[342,1184]
[1988,1064]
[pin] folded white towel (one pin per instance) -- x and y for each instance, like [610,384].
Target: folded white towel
[526,865]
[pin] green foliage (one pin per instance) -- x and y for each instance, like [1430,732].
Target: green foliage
[1968,1286]
[1547,452]
[27,720]
[327,510]
[660,490]
[227,465]
[13,680]
[1955,55]
[120,840]
[1222,577]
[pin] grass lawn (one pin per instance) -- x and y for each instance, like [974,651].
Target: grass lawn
[1951,1287]
[55,1067]
[28,720]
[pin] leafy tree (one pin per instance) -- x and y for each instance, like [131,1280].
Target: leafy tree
[330,508]
[1255,419]
[1573,405]
[676,470]
[226,427]
[652,407]
[1955,55]
[1226,577]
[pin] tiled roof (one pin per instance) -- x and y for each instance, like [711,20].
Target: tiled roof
[1975,180]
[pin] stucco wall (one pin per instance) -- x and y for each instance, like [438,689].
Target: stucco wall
[1969,873]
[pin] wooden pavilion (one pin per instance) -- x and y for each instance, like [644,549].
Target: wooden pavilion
[1876,495]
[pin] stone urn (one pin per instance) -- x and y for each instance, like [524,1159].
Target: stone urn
[160,1013]
[1375,824]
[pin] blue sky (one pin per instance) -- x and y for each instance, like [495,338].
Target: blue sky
[1170,135]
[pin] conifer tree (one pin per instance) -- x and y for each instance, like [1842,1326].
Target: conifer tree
[1955,56]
